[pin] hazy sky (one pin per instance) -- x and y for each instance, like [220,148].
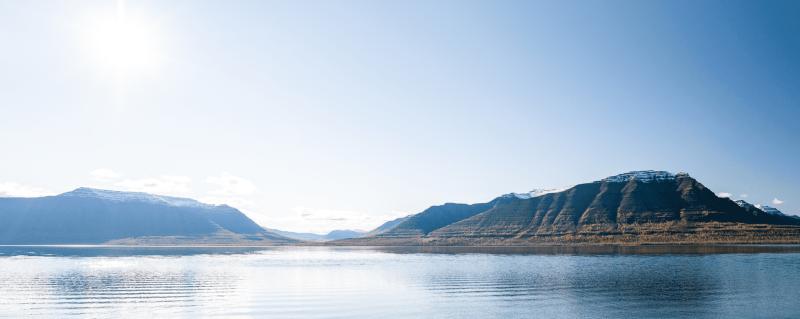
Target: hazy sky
[342,114]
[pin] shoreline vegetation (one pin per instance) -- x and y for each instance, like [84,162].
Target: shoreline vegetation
[642,235]
[586,249]
[669,234]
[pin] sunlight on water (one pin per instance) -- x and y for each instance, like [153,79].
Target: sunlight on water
[347,283]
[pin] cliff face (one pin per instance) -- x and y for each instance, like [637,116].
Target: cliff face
[632,204]
[608,207]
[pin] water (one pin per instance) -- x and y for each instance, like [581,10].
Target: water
[319,282]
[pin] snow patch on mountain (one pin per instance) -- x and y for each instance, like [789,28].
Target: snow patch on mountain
[764,208]
[742,203]
[119,196]
[770,210]
[648,176]
[536,192]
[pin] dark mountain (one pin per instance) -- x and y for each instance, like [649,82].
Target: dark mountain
[434,218]
[93,216]
[650,206]
[332,235]
[771,210]
[387,226]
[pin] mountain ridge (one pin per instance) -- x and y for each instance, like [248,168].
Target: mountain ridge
[650,206]
[94,216]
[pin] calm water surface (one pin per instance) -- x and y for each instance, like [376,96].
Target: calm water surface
[319,282]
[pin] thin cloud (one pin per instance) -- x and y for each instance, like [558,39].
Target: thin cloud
[230,185]
[12,189]
[776,201]
[162,185]
[743,195]
[321,221]
[104,174]
[230,190]
[724,195]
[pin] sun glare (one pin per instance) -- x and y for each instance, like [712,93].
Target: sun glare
[122,43]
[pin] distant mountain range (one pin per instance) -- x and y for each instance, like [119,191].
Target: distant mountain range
[635,207]
[640,206]
[340,233]
[332,235]
[94,216]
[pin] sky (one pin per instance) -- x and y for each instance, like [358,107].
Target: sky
[321,115]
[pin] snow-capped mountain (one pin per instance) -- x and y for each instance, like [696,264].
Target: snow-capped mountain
[771,210]
[605,208]
[647,176]
[764,208]
[94,216]
[118,196]
[744,204]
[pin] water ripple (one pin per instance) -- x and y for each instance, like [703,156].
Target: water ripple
[362,283]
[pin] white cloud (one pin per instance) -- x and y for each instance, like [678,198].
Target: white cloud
[104,174]
[162,185]
[230,185]
[328,215]
[230,190]
[11,189]
[776,201]
[743,195]
[724,195]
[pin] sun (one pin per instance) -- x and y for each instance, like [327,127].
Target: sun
[123,43]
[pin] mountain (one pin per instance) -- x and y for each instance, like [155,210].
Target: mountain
[772,210]
[95,216]
[434,218]
[343,234]
[387,226]
[763,208]
[332,235]
[639,206]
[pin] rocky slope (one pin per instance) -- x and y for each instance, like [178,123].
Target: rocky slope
[643,206]
[93,216]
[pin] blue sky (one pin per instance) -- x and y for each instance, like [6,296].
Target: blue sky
[341,114]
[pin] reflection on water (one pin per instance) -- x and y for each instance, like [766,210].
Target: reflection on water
[319,282]
[594,249]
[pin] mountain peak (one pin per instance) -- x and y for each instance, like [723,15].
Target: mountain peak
[120,196]
[646,176]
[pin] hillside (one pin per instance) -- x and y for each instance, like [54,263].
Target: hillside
[643,206]
[434,218]
[387,226]
[93,216]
